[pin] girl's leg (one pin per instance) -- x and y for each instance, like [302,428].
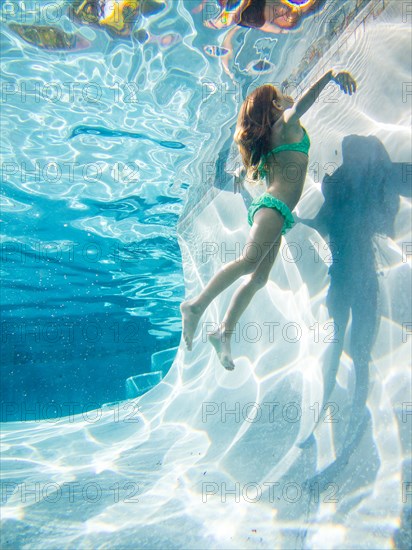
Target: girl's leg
[266,227]
[241,299]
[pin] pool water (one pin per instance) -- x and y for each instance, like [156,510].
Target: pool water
[92,273]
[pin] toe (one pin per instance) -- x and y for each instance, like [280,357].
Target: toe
[228,364]
[187,342]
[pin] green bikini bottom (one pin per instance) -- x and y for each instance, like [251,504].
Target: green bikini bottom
[269,201]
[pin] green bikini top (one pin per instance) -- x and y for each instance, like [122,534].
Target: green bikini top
[301,146]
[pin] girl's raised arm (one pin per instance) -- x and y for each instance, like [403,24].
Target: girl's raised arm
[344,80]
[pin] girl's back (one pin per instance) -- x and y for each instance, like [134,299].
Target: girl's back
[287,161]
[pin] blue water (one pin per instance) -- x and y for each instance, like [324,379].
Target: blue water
[92,273]
[117,170]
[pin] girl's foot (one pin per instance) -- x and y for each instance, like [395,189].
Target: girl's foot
[221,342]
[190,319]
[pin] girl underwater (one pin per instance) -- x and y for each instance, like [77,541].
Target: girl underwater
[274,145]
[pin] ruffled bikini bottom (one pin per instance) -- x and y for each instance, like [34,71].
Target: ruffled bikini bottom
[269,201]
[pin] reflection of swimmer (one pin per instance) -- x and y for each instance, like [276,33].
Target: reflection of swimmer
[270,16]
[49,38]
[273,16]
[116,16]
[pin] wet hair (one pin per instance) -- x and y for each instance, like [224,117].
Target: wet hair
[253,15]
[284,13]
[253,129]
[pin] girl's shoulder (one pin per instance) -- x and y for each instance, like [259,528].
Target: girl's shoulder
[282,132]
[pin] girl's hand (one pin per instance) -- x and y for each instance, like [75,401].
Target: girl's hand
[345,81]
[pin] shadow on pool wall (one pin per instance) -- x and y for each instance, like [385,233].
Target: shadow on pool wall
[361,201]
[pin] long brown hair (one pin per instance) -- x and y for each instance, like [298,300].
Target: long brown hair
[253,129]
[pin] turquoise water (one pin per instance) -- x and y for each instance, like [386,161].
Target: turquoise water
[92,273]
[207,458]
